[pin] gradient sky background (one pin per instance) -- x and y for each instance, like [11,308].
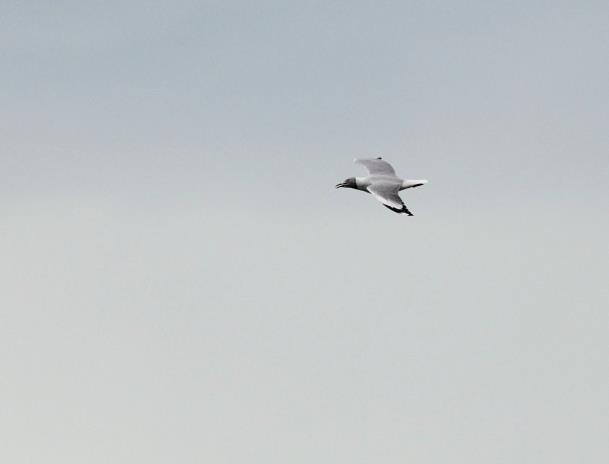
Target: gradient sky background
[181,282]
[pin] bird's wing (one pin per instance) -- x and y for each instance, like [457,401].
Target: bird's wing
[388,194]
[376,166]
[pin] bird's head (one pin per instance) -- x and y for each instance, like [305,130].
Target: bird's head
[348,183]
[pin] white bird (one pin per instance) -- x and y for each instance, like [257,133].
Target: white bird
[382,183]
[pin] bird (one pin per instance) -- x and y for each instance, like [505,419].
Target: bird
[383,183]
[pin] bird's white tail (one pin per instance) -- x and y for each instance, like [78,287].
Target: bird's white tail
[411,183]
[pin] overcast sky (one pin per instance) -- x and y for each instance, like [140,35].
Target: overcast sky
[181,282]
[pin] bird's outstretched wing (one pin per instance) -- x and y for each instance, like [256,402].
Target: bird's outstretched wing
[376,166]
[388,194]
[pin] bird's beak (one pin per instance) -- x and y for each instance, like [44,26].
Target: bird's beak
[340,184]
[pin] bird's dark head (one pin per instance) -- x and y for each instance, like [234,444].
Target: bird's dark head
[348,183]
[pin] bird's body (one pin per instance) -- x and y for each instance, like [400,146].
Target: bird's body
[383,183]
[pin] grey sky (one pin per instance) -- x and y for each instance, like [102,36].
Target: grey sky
[181,281]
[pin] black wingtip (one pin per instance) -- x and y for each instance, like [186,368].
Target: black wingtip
[404,210]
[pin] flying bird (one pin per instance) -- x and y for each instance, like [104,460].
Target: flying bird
[382,183]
